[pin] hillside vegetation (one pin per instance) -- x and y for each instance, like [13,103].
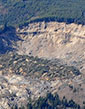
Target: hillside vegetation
[19,12]
[27,79]
[51,102]
[24,64]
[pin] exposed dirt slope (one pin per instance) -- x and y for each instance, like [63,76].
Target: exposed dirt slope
[54,40]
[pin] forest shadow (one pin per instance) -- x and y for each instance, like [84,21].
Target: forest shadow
[54,19]
[8,36]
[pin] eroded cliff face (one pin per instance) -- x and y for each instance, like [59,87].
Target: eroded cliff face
[54,40]
[23,77]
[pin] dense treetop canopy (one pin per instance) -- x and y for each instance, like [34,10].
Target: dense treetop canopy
[18,12]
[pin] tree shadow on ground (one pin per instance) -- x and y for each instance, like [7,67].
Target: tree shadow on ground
[8,36]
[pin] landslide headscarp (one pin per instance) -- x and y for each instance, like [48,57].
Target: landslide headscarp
[54,40]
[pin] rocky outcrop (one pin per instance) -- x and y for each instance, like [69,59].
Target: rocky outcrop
[54,40]
[19,89]
[24,77]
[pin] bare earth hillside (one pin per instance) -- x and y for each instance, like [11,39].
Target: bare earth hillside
[54,40]
[45,57]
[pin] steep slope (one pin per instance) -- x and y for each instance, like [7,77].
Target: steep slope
[8,39]
[54,40]
[60,68]
[25,78]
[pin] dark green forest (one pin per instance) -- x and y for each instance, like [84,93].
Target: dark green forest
[51,102]
[21,12]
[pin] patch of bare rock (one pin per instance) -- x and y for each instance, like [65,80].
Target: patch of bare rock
[18,89]
[54,40]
